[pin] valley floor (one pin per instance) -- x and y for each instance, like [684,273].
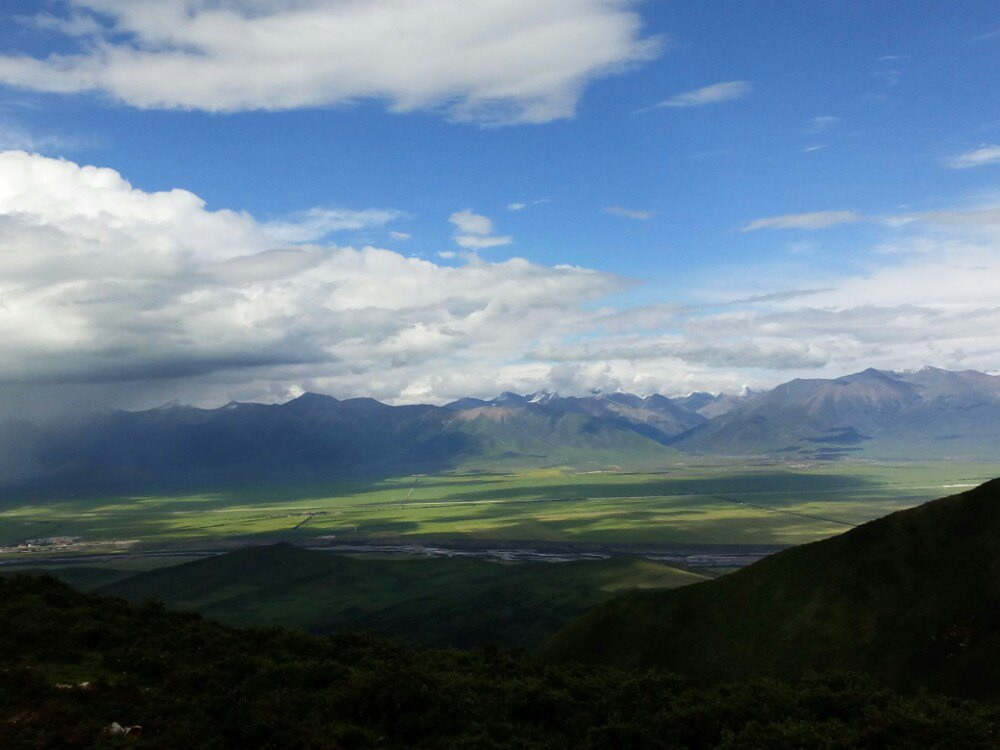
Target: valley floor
[699,512]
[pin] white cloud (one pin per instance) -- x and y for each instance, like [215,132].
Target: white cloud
[74,24]
[475,231]
[520,206]
[489,61]
[14,136]
[316,223]
[713,94]
[628,213]
[469,222]
[983,219]
[400,235]
[473,242]
[104,286]
[813,220]
[986,154]
[102,282]
[927,294]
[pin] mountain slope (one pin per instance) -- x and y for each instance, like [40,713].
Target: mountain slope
[430,601]
[310,438]
[913,598]
[532,435]
[74,663]
[317,438]
[876,413]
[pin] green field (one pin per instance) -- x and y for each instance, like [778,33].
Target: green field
[429,601]
[707,502]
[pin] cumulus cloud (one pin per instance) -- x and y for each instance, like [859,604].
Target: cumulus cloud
[113,294]
[713,94]
[813,220]
[490,61]
[475,232]
[628,213]
[987,154]
[468,222]
[926,294]
[102,282]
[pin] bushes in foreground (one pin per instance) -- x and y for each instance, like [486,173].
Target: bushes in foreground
[72,663]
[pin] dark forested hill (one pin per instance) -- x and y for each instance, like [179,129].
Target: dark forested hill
[72,664]
[913,598]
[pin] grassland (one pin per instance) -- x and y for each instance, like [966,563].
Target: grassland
[428,601]
[691,502]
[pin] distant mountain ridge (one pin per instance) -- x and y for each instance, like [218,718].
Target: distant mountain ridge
[316,438]
[883,413]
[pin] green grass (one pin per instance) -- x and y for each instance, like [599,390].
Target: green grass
[690,501]
[429,601]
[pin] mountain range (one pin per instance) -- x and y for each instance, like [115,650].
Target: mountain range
[877,412]
[315,438]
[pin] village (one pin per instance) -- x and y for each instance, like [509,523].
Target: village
[50,544]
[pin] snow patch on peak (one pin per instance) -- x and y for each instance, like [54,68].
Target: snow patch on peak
[542,397]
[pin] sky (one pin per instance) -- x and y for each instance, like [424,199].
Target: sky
[420,200]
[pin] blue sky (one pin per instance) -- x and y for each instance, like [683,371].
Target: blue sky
[679,126]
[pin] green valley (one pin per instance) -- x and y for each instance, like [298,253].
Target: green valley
[691,502]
